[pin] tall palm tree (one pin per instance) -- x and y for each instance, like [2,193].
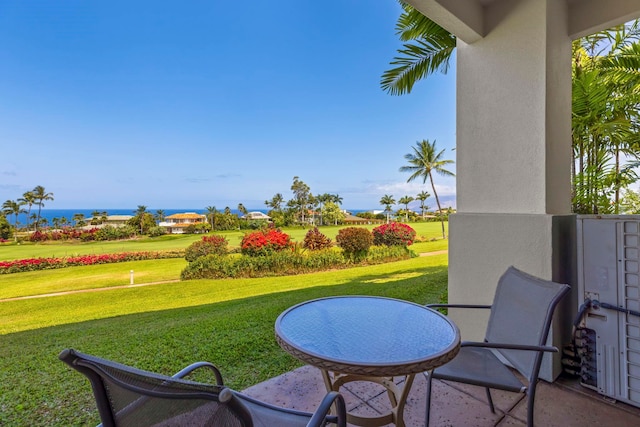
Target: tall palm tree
[139,214]
[337,199]
[13,207]
[276,202]
[405,200]
[428,50]
[211,214]
[422,196]
[423,162]
[40,195]
[27,199]
[387,201]
[242,209]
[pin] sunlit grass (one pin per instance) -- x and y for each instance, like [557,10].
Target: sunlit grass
[165,327]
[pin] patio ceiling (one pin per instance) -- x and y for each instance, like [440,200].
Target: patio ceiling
[471,20]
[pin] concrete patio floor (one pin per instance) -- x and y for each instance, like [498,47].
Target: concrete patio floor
[564,403]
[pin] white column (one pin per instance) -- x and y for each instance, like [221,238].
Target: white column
[513,155]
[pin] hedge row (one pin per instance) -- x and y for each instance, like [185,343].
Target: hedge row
[35,264]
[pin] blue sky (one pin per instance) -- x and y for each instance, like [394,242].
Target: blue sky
[189,104]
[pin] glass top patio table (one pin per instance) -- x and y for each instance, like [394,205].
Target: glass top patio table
[367,335]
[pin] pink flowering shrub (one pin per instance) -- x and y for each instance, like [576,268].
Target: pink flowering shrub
[393,234]
[35,264]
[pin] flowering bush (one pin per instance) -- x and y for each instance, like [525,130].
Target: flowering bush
[35,264]
[263,242]
[208,245]
[105,233]
[393,234]
[314,240]
[354,241]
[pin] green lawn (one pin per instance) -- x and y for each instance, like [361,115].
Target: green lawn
[10,251]
[163,327]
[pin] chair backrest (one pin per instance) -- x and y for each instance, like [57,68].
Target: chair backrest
[131,397]
[521,313]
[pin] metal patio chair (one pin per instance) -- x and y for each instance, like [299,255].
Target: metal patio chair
[127,396]
[518,327]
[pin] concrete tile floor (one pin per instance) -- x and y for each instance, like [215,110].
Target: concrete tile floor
[564,403]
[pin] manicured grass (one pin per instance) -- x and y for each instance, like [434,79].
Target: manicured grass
[165,327]
[89,277]
[10,251]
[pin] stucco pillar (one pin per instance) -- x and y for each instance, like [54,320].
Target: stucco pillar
[513,157]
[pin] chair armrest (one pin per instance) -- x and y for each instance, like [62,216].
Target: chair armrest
[509,346]
[189,369]
[320,415]
[457,306]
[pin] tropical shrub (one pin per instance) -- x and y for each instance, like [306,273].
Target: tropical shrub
[393,234]
[264,242]
[208,245]
[35,264]
[156,231]
[314,240]
[354,241]
[274,263]
[198,228]
[110,232]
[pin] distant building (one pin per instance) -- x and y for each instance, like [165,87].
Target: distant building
[176,223]
[256,216]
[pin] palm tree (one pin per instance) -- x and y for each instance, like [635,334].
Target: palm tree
[337,199]
[211,214]
[276,202]
[422,163]
[160,215]
[78,219]
[387,201]
[242,209]
[405,201]
[422,196]
[430,52]
[12,207]
[322,199]
[40,195]
[27,199]
[139,214]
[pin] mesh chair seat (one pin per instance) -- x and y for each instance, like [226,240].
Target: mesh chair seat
[127,396]
[518,328]
[479,366]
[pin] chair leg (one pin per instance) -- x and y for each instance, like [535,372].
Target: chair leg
[428,404]
[531,397]
[493,409]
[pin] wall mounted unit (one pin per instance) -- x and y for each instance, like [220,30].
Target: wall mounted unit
[608,339]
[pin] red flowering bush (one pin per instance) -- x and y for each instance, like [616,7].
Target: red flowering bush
[35,264]
[208,245]
[263,242]
[354,241]
[393,234]
[314,240]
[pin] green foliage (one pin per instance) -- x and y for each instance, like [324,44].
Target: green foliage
[314,240]
[216,245]
[198,228]
[5,228]
[354,241]
[393,234]
[157,231]
[114,233]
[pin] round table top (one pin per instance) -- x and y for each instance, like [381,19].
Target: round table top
[367,335]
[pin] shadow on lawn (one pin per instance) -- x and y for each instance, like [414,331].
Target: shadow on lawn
[238,336]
